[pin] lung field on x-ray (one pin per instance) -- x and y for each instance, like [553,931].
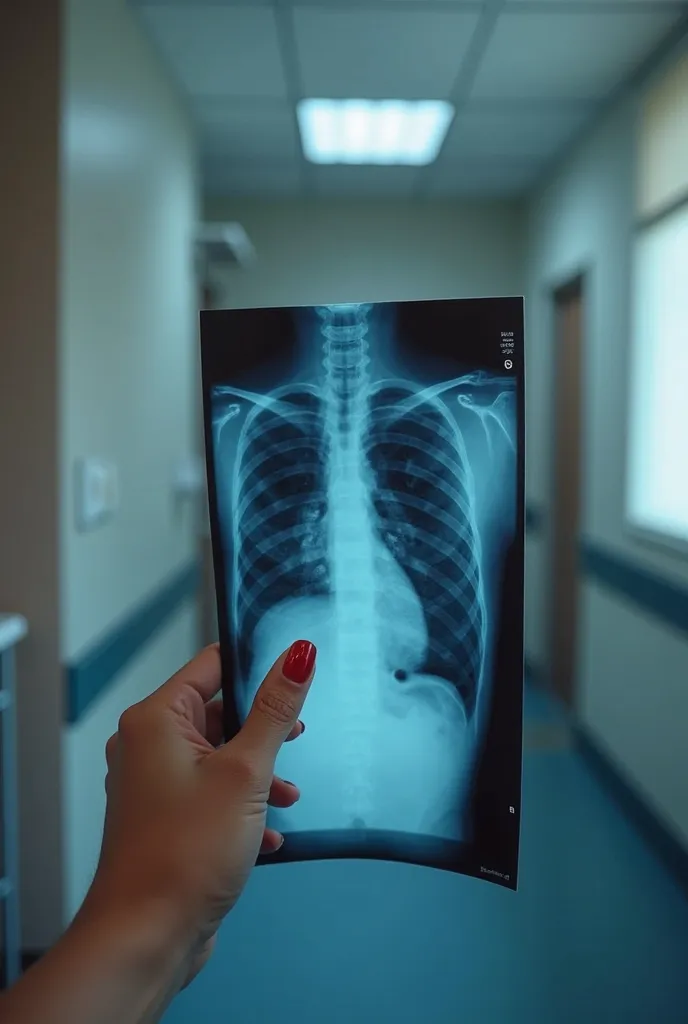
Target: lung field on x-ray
[370,509]
[281,507]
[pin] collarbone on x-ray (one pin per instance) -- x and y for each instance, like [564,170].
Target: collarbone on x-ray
[368,512]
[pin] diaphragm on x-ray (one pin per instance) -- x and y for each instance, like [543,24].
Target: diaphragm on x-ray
[366,466]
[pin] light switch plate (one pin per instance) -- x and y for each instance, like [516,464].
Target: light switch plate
[97,492]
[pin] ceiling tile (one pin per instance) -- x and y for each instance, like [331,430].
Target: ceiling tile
[222,177]
[378,3]
[482,178]
[396,182]
[568,55]
[201,3]
[248,130]
[514,130]
[381,54]
[219,51]
[590,3]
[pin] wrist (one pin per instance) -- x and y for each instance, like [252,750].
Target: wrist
[152,927]
[141,943]
[116,962]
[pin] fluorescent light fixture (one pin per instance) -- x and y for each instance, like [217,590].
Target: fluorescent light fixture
[373,131]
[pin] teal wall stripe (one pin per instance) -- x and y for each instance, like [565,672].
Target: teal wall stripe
[655,594]
[90,674]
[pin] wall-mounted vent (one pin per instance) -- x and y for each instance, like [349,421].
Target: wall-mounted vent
[223,246]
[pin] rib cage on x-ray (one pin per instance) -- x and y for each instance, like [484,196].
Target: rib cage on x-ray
[355,486]
[422,496]
[281,508]
[388,460]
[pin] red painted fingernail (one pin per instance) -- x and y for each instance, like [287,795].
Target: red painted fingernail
[299,661]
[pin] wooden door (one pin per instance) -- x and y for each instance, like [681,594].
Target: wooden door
[568,366]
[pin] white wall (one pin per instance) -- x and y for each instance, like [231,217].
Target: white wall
[128,369]
[335,251]
[633,669]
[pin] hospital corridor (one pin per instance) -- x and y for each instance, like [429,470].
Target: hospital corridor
[360,324]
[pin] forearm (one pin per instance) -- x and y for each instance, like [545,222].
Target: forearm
[110,967]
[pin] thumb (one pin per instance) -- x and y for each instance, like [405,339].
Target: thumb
[276,706]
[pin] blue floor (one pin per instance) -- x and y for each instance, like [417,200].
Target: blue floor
[597,934]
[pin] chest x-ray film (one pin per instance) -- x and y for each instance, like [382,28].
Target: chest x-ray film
[366,466]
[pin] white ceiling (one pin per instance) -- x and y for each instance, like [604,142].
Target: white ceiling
[525,77]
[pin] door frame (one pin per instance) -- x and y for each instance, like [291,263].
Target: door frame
[576,283]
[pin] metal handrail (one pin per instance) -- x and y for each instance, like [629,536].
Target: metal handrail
[13,628]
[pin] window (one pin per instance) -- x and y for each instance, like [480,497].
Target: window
[657,495]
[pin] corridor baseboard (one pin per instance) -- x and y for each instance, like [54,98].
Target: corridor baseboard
[666,846]
[665,599]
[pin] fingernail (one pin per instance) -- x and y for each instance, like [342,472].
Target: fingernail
[303,728]
[299,662]
[281,844]
[289,783]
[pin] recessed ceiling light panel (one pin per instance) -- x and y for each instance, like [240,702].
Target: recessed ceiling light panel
[373,131]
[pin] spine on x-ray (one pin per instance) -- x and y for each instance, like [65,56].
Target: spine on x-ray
[326,474]
[358,662]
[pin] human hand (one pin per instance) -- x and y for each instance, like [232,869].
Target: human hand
[186,817]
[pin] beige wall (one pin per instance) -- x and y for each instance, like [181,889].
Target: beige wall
[99,357]
[128,378]
[335,251]
[632,671]
[29,100]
